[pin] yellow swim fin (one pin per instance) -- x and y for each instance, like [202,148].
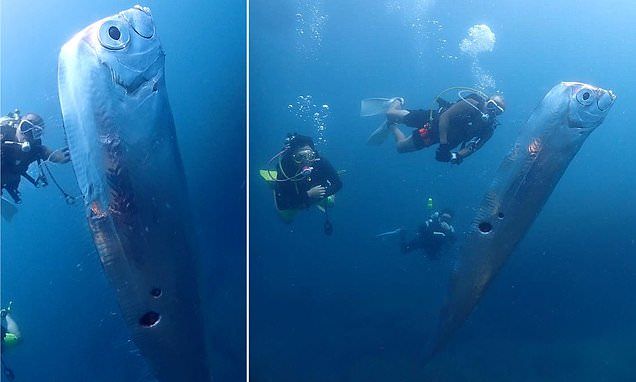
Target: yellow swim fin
[268,175]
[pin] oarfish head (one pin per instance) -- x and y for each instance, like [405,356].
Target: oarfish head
[587,105]
[127,46]
[112,90]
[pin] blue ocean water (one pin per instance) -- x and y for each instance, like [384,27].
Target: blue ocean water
[64,306]
[352,308]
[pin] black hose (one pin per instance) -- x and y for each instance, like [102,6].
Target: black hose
[70,199]
[327,226]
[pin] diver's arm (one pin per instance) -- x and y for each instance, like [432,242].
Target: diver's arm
[443,153]
[444,123]
[457,110]
[473,145]
[62,155]
[45,152]
[335,184]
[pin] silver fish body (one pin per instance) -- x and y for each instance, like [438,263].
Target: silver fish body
[121,135]
[525,179]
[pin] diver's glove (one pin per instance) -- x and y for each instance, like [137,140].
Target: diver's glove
[455,158]
[317,192]
[443,153]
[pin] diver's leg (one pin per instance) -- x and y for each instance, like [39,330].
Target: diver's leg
[406,245]
[396,113]
[431,254]
[394,116]
[397,133]
[409,247]
[403,144]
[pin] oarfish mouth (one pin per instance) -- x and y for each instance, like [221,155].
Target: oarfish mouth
[606,99]
[131,81]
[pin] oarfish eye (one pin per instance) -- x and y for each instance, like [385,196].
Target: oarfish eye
[140,20]
[114,34]
[585,97]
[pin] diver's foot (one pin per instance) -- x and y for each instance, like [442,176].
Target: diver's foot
[395,104]
[397,101]
[390,124]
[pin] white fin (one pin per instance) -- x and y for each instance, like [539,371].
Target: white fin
[379,135]
[375,106]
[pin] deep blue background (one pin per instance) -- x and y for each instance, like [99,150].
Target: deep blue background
[352,308]
[66,309]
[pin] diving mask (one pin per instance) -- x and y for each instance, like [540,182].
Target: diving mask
[305,156]
[493,107]
[30,130]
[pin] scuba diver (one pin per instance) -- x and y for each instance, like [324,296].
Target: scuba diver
[432,237]
[22,145]
[467,123]
[302,179]
[10,336]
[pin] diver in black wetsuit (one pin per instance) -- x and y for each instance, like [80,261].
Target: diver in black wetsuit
[9,335]
[21,146]
[468,124]
[432,237]
[303,177]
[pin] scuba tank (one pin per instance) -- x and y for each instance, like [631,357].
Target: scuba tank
[464,94]
[13,119]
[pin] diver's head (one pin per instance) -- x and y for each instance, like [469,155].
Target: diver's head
[304,155]
[30,127]
[446,215]
[295,141]
[301,148]
[496,105]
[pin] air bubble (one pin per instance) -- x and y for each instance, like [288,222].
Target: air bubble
[480,39]
[314,115]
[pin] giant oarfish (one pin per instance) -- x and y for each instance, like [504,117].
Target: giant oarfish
[525,179]
[121,135]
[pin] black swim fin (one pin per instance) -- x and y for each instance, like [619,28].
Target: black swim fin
[328,228]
